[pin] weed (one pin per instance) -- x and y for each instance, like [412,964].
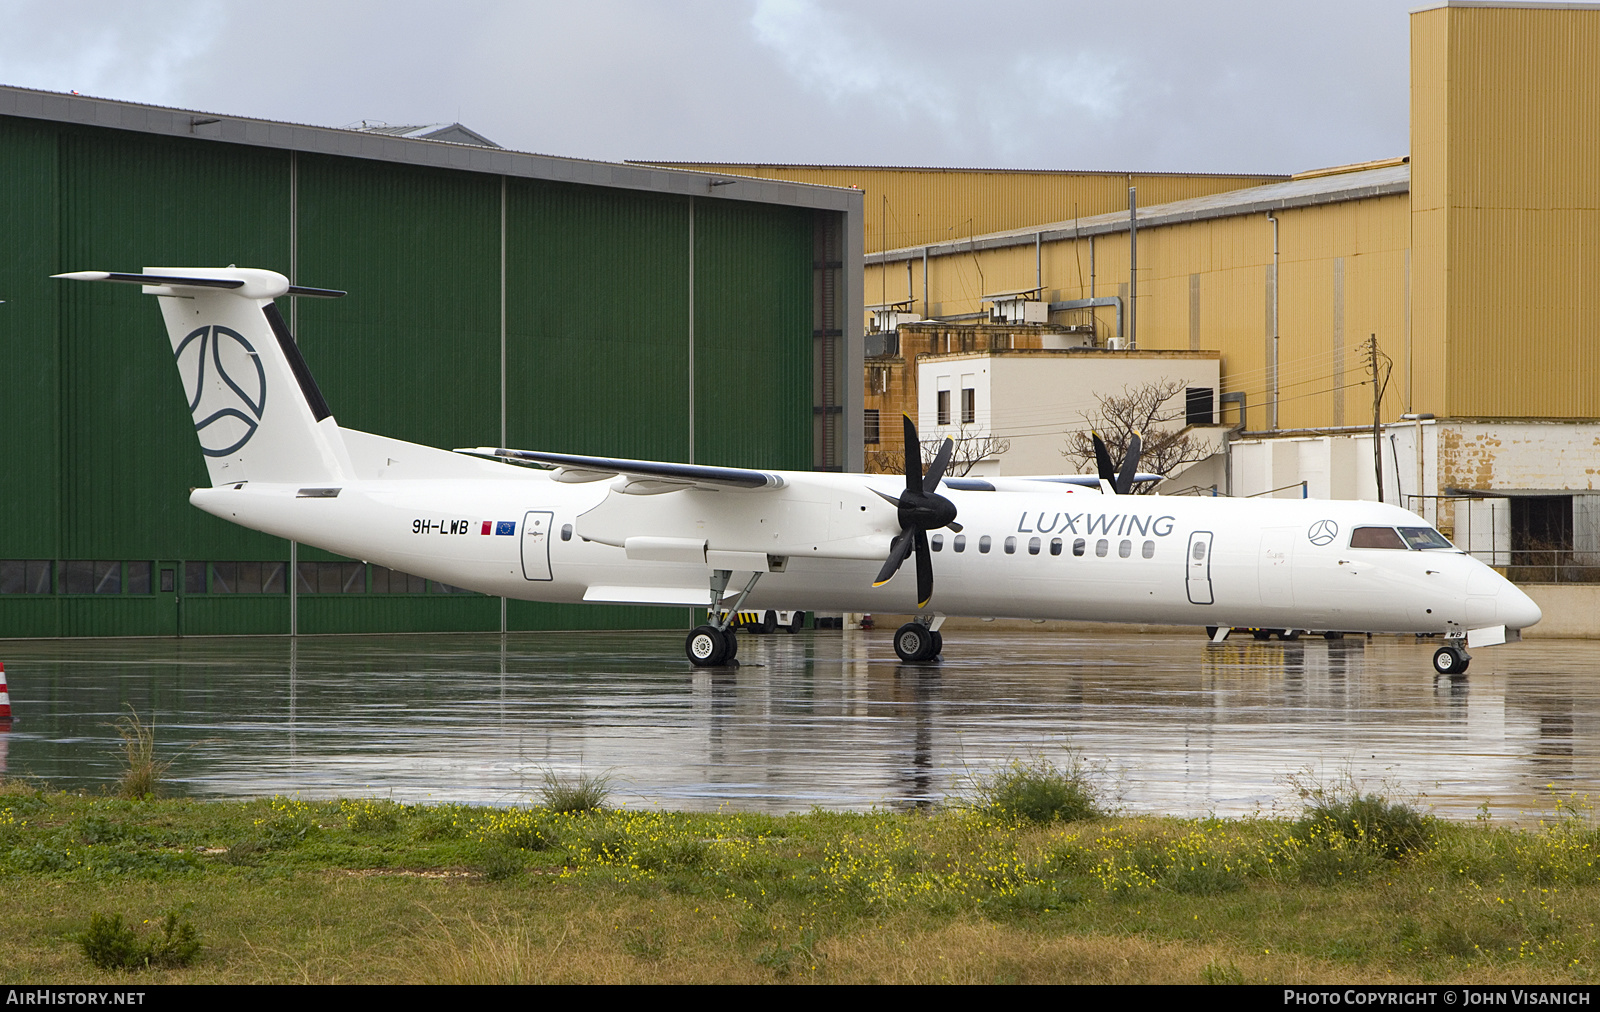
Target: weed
[642,944]
[801,955]
[142,773]
[1039,791]
[1221,973]
[586,792]
[497,863]
[244,853]
[1339,816]
[371,816]
[112,945]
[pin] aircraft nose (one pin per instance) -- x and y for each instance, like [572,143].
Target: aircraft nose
[1515,609]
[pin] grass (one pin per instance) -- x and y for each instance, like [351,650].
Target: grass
[290,890]
[585,792]
[142,772]
[1038,790]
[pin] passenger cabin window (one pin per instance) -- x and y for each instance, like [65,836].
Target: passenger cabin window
[1055,546]
[1375,537]
[1424,537]
[1125,549]
[566,532]
[1149,550]
[1101,547]
[960,543]
[1078,546]
[983,544]
[1011,546]
[937,542]
[1033,546]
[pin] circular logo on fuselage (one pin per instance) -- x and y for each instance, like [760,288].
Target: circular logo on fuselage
[1323,532]
[227,388]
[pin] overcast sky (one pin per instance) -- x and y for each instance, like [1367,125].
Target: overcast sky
[1161,85]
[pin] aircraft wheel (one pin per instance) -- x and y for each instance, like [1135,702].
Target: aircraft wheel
[938,645]
[1288,635]
[769,621]
[915,643]
[1333,635]
[798,622]
[733,645]
[1261,634]
[1450,660]
[708,647]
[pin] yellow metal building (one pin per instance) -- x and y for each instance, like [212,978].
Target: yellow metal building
[1474,262]
[916,206]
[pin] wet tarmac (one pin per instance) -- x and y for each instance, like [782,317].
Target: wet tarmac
[821,718]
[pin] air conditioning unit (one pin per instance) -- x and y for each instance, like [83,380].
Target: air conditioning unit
[1019,311]
[1117,343]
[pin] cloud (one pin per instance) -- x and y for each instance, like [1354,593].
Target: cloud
[1255,86]
[100,47]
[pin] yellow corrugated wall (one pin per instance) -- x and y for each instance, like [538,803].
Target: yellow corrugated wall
[1506,140]
[916,206]
[1205,285]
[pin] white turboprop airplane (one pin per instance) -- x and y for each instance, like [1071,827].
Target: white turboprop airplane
[605,530]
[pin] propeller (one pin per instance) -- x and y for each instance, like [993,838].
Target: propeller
[1121,482]
[921,510]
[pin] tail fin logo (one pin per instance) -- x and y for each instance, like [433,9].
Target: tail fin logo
[227,388]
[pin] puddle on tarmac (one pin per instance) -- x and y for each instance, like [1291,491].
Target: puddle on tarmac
[827,719]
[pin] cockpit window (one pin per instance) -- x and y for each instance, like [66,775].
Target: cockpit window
[1424,537]
[1375,537]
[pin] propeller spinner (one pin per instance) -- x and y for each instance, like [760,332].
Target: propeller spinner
[921,510]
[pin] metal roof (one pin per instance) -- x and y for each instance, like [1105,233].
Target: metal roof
[1136,173]
[1292,193]
[27,103]
[449,133]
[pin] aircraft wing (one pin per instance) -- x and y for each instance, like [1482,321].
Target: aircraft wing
[1029,483]
[645,477]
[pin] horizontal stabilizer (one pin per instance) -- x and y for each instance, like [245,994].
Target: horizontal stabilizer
[657,476]
[267,285]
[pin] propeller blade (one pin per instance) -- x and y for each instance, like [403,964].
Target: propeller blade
[891,500]
[899,548]
[954,526]
[913,457]
[1130,465]
[924,569]
[1102,459]
[941,460]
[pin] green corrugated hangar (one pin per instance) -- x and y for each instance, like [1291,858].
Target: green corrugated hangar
[495,297]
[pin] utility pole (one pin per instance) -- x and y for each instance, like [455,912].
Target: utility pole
[1377,398]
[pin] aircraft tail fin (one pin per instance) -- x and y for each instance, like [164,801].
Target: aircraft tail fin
[257,410]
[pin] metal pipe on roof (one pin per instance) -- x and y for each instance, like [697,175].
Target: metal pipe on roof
[1276,284]
[1104,300]
[1133,269]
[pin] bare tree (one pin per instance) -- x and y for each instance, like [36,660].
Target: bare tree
[971,447]
[1145,410]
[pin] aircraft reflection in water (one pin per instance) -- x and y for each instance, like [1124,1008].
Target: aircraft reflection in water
[821,718]
[606,530]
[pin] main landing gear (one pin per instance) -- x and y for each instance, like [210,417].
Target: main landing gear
[715,644]
[1451,659]
[919,641]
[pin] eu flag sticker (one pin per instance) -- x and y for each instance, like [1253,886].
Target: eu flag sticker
[506,527]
